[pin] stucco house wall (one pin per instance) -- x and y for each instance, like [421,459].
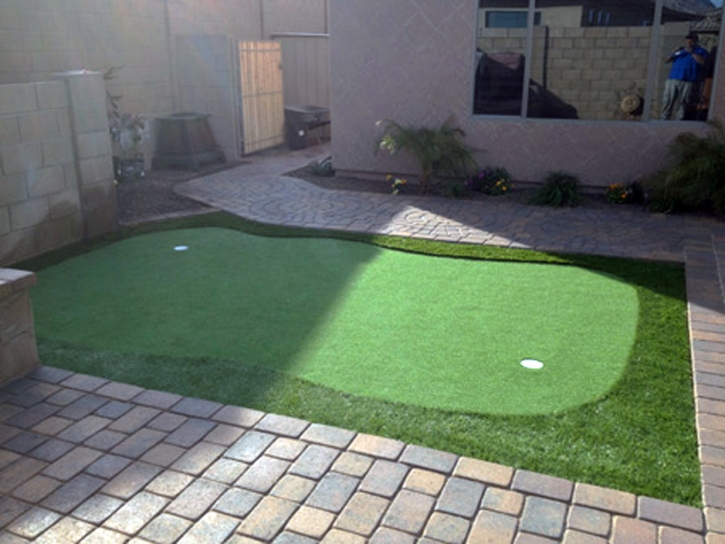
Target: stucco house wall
[413,62]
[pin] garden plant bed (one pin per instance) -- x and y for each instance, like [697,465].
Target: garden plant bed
[153,197]
[520,194]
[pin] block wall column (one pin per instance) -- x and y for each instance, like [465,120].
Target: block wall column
[92,147]
[18,349]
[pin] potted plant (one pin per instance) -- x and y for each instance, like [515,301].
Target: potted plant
[128,132]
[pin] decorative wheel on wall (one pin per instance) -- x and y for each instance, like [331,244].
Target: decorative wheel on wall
[631,104]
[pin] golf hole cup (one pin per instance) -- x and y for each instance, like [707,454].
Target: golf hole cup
[532,364]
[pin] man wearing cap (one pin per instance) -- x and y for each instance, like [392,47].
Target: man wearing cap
[683,84]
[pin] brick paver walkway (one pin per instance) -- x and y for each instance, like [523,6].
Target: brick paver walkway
[87,460]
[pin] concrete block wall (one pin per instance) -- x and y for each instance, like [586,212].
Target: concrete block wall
[56,175]
[18,349]
[247,19]
[294,16]
[239,19]
[39,202]
[93,155]
[591,68]
[38,39]
[207,82]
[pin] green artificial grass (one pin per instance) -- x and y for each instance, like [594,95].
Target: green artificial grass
[638,436]
[434,332]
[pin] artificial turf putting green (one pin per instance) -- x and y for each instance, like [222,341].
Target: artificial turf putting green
[434,332]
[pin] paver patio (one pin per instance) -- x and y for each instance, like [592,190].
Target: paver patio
[87,460]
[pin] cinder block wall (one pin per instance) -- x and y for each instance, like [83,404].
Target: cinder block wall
[39,200]
[56,174]
[206,82]
[39,39]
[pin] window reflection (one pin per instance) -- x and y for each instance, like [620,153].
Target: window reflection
[593,57]
[552,88]
[686,64]
[590,59]
[500,61]
[499,82]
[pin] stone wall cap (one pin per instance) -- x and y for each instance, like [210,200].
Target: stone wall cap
[73,73]
[17,280]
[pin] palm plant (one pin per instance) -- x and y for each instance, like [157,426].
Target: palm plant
[695,175]
[439,151]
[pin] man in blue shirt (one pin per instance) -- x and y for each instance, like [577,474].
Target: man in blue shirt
[683,84]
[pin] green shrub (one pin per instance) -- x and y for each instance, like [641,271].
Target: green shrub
[695,177]
[323,168]
[455,190]
[559,189]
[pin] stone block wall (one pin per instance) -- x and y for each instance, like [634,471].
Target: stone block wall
[294,16]
[39,201]
[38,39]
[18,350]
[56,174]
[590,68]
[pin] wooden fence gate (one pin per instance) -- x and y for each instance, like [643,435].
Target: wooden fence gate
[262,95]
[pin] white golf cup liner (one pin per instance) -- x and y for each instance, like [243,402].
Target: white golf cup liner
[532,364]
